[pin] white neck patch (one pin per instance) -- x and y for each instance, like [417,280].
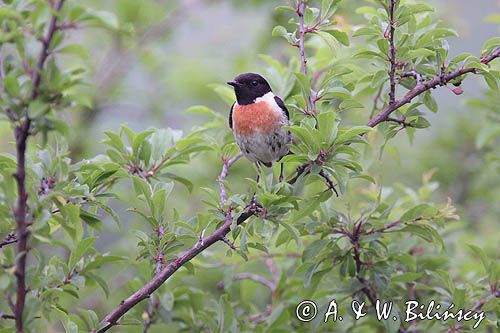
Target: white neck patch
[269,99]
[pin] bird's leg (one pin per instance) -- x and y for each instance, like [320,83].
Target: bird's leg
[281,172]
[252,200]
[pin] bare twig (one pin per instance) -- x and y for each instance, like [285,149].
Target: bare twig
[254,277]
[271,265]
[159,257]
[261,317]
[412,73]
[229,243]
[226,164]
[401,121]
[303,30]
[271,285]
[381,229]
[376,99]
[150,314]
[328,182]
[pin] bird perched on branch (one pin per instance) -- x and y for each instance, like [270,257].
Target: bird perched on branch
[257,119]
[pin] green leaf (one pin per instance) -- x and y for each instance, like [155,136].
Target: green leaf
[184,181]
[304,83]
[406,277]
[7,13]
[430,102]
[327,126]
[279,31]
[491,81]
[102,283]
[477,251]
[286,9]
[103,18]
[91,219]
[75,49]
[340,36]
[200,109]
[37,108]
[421,52]
[312,250]
[352,132]
[11,85]
[419,211]
[80,251]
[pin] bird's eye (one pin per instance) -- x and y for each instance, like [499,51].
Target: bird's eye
[255,83]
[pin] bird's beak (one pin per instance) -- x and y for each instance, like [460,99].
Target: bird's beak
[233,83]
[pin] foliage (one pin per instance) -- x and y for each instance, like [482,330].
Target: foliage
[333,229]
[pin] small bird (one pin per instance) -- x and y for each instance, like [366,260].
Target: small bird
[257,119]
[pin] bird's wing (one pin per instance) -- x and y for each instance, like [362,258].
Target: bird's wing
[231,116]
[280,103]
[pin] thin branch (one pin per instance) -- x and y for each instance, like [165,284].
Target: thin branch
[7,316]
[303,30]
[382,229]
[22,132]
[437,80]
[421,87]
[218,235]
[479,304]
[401,121]
[11,238]
[392,53]
[412,73]
[254,277]
[159,257]
[226,164]
[261,317]
[273,269]
[150,313]
[367,289]
[271,265]
[376,99]
[495,293]
[8,298]
[328,182]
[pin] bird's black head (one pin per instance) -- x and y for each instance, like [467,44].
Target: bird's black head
[248,87]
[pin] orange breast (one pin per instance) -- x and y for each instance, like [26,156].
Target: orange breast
[255,117]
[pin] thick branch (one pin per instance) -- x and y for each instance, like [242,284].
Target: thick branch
[421,87]
[21,211]
[218,235]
